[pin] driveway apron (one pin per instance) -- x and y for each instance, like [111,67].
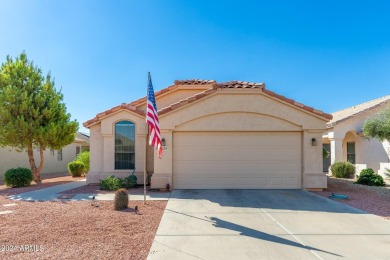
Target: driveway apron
[266,224]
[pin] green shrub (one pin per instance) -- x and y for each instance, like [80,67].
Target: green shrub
[18,177]
[368,177]
[128,182]
[84,158]
[76,168]
[110,183]
[121,199]
[342,169]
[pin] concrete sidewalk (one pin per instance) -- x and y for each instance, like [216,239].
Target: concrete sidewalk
[53,194]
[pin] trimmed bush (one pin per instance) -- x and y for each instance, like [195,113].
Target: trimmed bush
[129,182]
[368,177]
[110,183]
[84,158]
[18,177]
[342,169]
[121,199]
[76,168]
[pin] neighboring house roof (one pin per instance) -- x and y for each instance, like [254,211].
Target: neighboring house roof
[82,137]
[214,86]
[350,112]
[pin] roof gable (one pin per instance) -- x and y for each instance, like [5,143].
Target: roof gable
[243,85]
[197,83]
[210,86]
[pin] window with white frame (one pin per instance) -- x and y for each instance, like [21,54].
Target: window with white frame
[124,145]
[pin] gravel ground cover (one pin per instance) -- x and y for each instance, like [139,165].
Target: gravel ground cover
[75,229]
[93,230]
[375,200]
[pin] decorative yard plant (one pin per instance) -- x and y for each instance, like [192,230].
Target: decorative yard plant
[76,168]
[84,158]
[113,183]
[121,199]
[368,177]
[110,183]
[18,177]
[128,182]
[342,169]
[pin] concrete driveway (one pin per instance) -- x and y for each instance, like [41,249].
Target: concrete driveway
[266,224]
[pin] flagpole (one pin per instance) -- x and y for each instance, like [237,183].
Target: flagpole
[146,142]
[146,155]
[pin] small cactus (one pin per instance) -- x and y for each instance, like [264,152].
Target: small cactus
[121,199]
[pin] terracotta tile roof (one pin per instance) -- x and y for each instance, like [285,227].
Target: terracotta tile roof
[195,82]
[213,88]
[177,83]
[240,84]
[350,112]
[187,101]
[124,106]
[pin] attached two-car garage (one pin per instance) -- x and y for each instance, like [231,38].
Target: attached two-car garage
[237,160]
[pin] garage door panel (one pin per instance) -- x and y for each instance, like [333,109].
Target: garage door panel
[236,160]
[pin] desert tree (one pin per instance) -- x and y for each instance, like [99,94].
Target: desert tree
[378,126]
[32,111]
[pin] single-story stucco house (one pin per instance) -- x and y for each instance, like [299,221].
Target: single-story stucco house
[346,142]
[215,135]
[56,161]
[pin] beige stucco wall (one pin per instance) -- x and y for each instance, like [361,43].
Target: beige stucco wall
[225,110]
[10,158]
[248,101]
[102,145]
[178,94]
[370,152]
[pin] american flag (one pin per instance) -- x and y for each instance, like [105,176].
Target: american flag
[152,119]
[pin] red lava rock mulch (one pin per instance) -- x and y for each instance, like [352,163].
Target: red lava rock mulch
[75,229]
[375,200]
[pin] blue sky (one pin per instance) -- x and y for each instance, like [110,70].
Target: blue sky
[325,54]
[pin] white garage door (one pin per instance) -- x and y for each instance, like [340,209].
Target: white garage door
[237,160]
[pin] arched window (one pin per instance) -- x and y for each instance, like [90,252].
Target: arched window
[124,145]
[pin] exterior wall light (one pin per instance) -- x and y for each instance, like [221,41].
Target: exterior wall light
[314,142]
[164,144]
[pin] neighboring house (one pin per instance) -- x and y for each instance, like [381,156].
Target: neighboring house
[346,142]
[55,160]
[216,135]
